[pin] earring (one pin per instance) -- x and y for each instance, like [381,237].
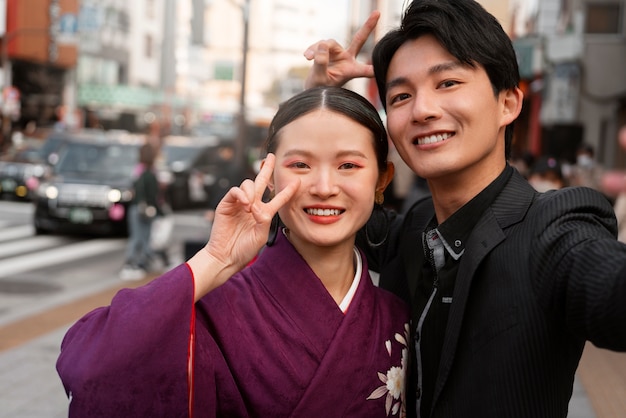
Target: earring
[274,226]
[378,223]
[379,197]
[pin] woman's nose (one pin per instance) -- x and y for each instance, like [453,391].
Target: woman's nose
[324,183]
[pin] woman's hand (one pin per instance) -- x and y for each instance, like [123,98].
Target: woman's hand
[240,229]
[333,65]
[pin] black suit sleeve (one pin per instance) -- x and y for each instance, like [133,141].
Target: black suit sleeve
[579,266]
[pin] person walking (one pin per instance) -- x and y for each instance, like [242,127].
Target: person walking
[506,283]
[142,211]
[301,332]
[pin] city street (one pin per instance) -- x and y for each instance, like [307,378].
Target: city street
[48,282]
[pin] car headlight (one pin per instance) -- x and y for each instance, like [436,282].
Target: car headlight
[39,171]
[48,191]
[114,195]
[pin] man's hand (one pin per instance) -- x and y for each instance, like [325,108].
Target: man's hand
[614,182]
[333,65]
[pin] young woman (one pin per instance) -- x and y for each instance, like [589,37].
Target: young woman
[301,331]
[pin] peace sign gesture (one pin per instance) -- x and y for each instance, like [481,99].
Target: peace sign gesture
[240,229]
[333,65]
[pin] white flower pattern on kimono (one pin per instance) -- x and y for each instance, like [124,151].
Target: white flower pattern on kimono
[393,380]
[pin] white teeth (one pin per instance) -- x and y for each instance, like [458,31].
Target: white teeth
[432,139]
[323,212]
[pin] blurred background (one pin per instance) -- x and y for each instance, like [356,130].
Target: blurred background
[219,68]
[84,83]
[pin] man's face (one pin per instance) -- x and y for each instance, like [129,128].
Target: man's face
[444,118]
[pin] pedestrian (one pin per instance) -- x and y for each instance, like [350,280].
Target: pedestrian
[506,283]
[546,174]
[613,184]
[301,332]
[142,211]
[587,171]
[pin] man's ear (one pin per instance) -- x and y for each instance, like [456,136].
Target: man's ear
[385,177]
[512,105]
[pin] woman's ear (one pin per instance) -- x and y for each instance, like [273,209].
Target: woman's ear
[385,177]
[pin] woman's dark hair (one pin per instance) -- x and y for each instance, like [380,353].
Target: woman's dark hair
[335,99]
[467,31]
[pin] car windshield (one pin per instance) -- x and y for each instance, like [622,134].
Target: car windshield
[98,160]
[178,153]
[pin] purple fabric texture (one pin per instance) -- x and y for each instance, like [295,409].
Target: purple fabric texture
[269,342]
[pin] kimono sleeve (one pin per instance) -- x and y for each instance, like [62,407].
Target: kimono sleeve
[131,358]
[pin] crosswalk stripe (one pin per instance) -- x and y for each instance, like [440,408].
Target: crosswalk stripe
[16,232]
[20,264]
[9,249]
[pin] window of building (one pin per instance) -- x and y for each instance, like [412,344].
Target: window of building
[603,18]
[150,9]
[224,71]
[148,46]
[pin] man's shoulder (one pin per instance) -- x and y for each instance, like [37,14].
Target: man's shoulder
[574,196]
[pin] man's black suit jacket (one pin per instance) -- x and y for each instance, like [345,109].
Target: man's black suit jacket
[541,274]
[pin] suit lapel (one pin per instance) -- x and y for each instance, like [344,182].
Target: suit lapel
[509,208]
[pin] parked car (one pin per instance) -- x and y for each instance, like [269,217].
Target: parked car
[196,171]
[90,187]
[21,166]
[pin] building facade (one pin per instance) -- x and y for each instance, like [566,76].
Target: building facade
[573,62]
[39,56]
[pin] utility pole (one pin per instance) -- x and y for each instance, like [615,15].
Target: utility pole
[240,145]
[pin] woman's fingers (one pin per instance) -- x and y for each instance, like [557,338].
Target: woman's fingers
[265,174]
[282,197]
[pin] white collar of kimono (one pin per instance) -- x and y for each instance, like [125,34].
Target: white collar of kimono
[355,283]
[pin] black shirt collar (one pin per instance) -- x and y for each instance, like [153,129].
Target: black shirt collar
[455,230]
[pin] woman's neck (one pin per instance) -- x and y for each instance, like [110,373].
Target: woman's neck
[335,266]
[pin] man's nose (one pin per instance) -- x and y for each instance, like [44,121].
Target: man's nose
[425,107]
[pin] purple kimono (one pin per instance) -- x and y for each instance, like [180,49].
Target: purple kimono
[271,341]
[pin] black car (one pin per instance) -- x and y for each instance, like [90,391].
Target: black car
[196,171]
[21,168]
[91,185]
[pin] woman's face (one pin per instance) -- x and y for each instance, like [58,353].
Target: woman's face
[334,158]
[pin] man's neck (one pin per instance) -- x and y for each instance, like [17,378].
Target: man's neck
[450,193]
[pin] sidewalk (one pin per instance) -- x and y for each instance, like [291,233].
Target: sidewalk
[29,347]
[30,387]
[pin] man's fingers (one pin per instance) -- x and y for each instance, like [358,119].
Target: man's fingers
[360,37]
[614,183]
[310,52]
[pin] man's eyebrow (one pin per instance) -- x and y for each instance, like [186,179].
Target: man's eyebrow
[398,81]
[439,68]
[446,66]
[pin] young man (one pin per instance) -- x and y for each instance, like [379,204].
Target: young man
[506,284]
